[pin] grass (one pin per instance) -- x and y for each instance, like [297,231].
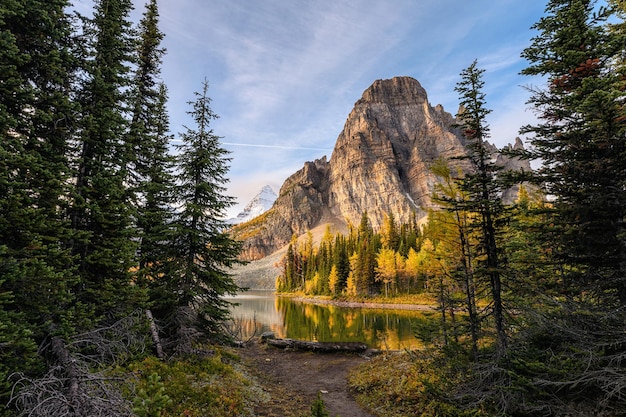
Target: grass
[406,384]
[193,387]
[415,299]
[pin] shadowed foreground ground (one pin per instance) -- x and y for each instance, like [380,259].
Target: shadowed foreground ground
[292,379]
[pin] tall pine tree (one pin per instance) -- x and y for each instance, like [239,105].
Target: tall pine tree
[36,273]
[150,166]
[192,306]
[101,209]
[580,141]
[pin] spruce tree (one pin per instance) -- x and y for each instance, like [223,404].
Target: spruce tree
[36,70]
[154,207]
[105,244]
[366,257]
[150,166]
[288,277]
[36,111]
[341,261]
[324,257]
[581,142]
[201,249]
[579,139]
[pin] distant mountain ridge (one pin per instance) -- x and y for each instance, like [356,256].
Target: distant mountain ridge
[380,164]
[259,204]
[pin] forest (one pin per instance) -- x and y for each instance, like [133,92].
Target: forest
[114,255]
[112,245]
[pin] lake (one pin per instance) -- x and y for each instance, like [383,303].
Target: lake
[263,311]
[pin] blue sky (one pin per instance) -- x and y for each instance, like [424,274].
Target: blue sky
[284,74]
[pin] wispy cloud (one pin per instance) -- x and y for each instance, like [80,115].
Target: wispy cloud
[289,60]
[257,145]
[285,74]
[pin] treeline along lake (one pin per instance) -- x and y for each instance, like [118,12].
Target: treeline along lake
[259,311]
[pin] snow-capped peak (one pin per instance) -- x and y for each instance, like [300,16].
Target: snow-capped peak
[262,202]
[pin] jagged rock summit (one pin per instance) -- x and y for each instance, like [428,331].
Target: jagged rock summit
[381,160]
[259,204]
[380,164]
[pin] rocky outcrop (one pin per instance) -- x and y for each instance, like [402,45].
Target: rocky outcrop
[301,204]
[382,157]
[512,164]
[380,164]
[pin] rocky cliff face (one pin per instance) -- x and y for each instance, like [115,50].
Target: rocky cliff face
[380,164]
[382,157]
[300,206]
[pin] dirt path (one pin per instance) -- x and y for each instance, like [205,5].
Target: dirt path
[293,378]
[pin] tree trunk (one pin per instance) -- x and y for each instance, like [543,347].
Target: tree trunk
[470,290]
[59,349]
[495,280]
[326,347]
[154,332]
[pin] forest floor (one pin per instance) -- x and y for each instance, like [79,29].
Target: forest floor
[291,380]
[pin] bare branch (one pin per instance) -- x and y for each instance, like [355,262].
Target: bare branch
[73,386]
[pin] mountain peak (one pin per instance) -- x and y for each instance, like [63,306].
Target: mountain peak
[261,202]
[397,90]
[380,164]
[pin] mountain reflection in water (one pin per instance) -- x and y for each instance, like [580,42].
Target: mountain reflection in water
[262,311]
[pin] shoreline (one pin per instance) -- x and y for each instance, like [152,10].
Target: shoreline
[360,304]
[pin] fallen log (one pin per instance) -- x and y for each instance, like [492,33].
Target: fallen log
[325,347]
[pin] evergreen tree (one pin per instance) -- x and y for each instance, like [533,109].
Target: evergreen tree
[36,70]
[289,270]
[409,236]
[484,191]
[364,273]
[150,168]
[18,337]
[155,205]
[201,249]
[342,262]
[536,275]
[581,142]
[101,213]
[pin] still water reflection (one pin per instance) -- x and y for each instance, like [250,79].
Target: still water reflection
[261,311]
